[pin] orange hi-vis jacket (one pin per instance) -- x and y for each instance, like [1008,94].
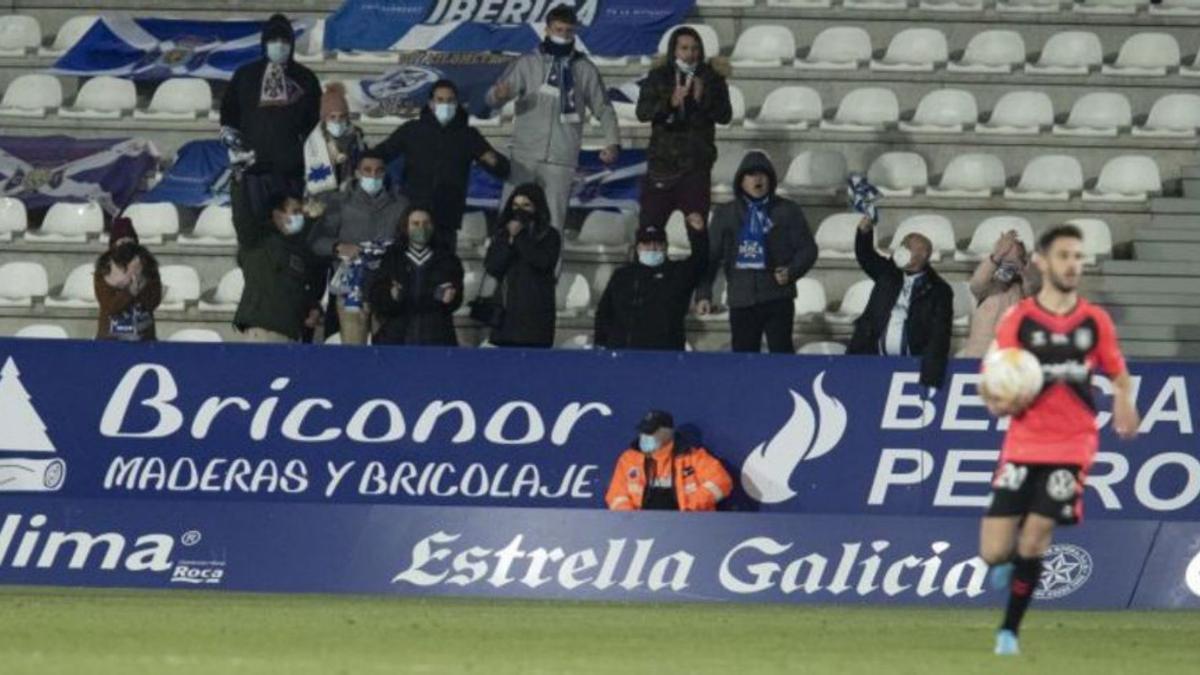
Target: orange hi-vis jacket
[698,478]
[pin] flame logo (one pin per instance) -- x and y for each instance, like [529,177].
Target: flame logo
[768,469]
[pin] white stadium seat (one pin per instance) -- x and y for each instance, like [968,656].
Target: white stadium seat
[153,220]
[822,349]
[214,227]
[944,111]
[816,170]
[989,231]
[1177,8]
[1129,178]
[835,235]
[78,290]
[838,48]
[1097,238]
[737,103]
[790,107]
[764,46]
[875,4]
[1025,6]
[604,232]
[1172,115]
[804,4]
[69,222]
[32,95]
[471,284]
[724,171]
[335,339]
[865,109]
[991,51]
[935,227]
[21,282]
[181,285]
[19,35]
[810,298]
[678,244]
[964,303]
[1146,55]
[1020,112]
[626,116]
[310,48]
[69,34]
[853,303]
[708,38]
[43,331]
[899,174]
[179,98]
[951,5]
[13,218]
[1100,113]
[1070,52]
[228,293]
[971,175]
[914,50]
[1048,178]
[474,230]
[195,335]
[573,295]
[1109,6]
[102,97]
[581,341]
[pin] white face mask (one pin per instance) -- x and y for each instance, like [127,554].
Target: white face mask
[651,258]
[445,112]
[336,129]
[902,257]
[295,223]
[560,40]
[278,51]
[685,67]
[371,184]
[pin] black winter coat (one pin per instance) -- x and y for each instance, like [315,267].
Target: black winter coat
[418,317]
[525,268]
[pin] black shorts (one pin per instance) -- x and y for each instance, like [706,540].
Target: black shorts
[1051,490]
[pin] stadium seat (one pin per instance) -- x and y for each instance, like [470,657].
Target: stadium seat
[102,97]
[195,335]
[737,102]
[1100,113]
[1145,55]
[937,229]
[21,282]
[78,290]
[573,295]
[1109,6]
[32,95]
[1172,115]
[153,220]
[991,51]
[801,4]
[335,339]
[764,46]
[1070,52]
[13,218]
[69,34]
[178,98]
[720,304]
[69,222]
[1129,178]
[914,50]
[228,293]
[19,35]
[816,171]
[471,283]
[1097,238]
[875,4]
[310,48]
[1020,112]
[1026,6]
[43,331]
[604,232]
[474,230]
[1176,8]
[708,38]
[899,174]
[853,303]
[835,235]
[964,303]
[943,111]
[951,5]
[989,231]
[971,175]
[1048,178]
[790,107]
[822,349]
[181,285]
[214,227]
[678,244]
[865,109]
[581,341]
[810,298]
[724,170]
[626,116]
[838,48]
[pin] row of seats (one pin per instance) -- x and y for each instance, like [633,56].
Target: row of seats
[1168,7]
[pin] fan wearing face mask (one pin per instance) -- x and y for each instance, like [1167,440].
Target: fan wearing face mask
[438,150]
[667,470]
[1001,280]
[332,149]
[521,262]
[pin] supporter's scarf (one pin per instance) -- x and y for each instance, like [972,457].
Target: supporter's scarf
[274,86]
[752,237]
[562,77]
[319,174]
[862,196]
[350,276]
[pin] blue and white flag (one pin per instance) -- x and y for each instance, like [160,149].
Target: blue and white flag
[43,170]
[627,92]
[404,90]
[198,177]
[607,27]
[596,186]
[157,49]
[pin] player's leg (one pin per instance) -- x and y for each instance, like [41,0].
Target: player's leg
[1032,543]
[998,539]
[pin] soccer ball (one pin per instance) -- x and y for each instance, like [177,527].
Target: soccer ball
[1012,376]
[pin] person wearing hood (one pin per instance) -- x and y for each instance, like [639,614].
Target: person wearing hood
[763,244]
[418,287]
[1001,280]
[911,308]
[438,150]
[552,87]
[683,100]
[646,302]
[520,264]
[128,288]
[665,470]
[332,149]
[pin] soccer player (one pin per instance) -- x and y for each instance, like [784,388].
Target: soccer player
[1053,436]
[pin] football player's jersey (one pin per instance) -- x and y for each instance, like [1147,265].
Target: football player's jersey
[1059,427]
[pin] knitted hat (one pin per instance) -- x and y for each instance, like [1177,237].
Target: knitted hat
[121,228]
[334,100]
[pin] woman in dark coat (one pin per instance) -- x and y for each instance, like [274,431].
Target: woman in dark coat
[523,258]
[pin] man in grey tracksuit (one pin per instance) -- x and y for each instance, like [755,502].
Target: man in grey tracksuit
[548,130]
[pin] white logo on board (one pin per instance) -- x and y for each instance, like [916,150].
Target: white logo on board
[23,432]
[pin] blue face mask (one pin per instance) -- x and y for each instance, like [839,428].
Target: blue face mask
[278,51]
[371,184]
[652,258]
[647,443]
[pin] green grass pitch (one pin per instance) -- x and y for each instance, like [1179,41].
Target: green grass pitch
[90,631]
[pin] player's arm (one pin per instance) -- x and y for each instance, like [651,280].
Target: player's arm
[1108,350]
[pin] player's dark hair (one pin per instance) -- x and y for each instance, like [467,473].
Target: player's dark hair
[1055,233]
[562,14]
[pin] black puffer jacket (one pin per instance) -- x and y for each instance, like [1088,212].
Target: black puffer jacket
[417,316]
[525,268]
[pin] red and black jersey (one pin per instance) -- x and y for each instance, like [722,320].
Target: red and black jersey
[1059,427]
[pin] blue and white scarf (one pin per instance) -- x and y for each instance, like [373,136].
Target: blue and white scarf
[752,237]
[351,275]
[561,77]
[862,196]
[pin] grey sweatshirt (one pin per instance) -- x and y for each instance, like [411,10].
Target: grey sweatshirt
[352,216]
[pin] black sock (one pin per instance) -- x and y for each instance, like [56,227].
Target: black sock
[1026,573]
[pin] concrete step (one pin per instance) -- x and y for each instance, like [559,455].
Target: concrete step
[1181,333]
[1190,172]
[1125,284]
[1167,234]
[1164,269]
[1143,350]
[1166,251]
[1179,221]
[1185,300]
[1174,205]
[1148,315]
[1190,187]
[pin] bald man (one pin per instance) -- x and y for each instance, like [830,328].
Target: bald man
[911,310]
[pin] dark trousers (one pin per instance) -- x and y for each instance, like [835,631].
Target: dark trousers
[689,193]
[773,319]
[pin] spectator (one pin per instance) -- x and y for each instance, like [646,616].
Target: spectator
[911,309]
[552,87]
[762,242]
[1000,281]
[279,299]
[356,227]
[269,109]
[522,258]
[684,99]
[127,287]
[334,146]
[666,472]
[438,150]
[646,302]
[418,287]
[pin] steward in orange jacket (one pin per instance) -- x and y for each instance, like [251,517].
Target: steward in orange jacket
[666,472]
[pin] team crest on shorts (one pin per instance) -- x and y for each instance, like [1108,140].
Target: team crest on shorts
[1061,485]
